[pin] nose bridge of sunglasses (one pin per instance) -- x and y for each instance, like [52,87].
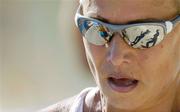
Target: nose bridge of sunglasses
[117,29]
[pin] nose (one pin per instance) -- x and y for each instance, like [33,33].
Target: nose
[119,52]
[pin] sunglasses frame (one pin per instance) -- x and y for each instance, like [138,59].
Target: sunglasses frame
[166,25]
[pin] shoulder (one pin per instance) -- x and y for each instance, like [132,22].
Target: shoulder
[62,106]
[67,104]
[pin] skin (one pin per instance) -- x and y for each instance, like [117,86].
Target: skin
[156,68]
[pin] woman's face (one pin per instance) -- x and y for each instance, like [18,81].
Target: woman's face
[115,68]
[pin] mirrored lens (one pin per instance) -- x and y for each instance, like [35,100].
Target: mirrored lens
[143,36]
[94,32]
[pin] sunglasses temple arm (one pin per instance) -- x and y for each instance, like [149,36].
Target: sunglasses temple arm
[76,15]
[170,24]
[176,20]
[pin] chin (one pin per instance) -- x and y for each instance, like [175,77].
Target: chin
[126,104]
[129,101]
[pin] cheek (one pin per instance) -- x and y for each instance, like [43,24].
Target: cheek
[95,56]
[97,53]
[93,52]
[159,65]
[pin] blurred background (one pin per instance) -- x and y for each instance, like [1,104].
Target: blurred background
[42,57]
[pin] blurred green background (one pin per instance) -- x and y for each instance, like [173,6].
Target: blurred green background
[42,58]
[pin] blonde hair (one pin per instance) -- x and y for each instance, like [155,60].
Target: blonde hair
[80,1]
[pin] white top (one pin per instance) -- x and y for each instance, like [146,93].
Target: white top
[77,106]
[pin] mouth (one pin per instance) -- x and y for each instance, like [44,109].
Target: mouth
[122,84]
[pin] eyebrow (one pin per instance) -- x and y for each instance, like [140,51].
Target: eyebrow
[140,20]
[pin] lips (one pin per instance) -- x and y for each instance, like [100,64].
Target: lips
[122,84]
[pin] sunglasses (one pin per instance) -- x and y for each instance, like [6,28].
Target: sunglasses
[137,35]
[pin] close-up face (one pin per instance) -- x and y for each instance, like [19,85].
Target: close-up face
[130,77]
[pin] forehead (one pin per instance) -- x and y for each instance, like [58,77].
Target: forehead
[122,11]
